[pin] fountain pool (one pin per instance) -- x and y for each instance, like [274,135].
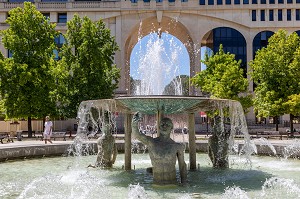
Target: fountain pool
[69,177]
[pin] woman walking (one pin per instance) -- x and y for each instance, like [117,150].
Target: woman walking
[48,130]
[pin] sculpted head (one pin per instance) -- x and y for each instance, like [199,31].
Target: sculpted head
[166,125]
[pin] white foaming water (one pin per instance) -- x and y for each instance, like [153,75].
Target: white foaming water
[274,187]
[265,142]
[234,193]
[136,191]
[292,149]
[158,67]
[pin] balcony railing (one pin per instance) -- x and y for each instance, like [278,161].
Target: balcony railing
[146,4]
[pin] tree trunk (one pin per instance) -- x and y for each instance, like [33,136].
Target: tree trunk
[291,125]
[29,127]
[276,122]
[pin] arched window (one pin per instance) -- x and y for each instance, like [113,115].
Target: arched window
[261,40]
[233,42]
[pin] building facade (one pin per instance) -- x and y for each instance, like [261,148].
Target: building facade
[242,26]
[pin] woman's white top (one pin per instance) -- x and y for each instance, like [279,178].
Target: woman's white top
[48,129]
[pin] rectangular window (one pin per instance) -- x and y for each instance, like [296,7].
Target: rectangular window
[56,56]
[253,15]
[280,15]
[62,18]
[47,15]
[271,1]
[228,2]
[220,2]
[254,1]
[297,1]
[202,2]
[245,1]
[19,1]
[9,53]
[271,15]
[210,2]
[288,14]
[60,40]
[297,14]
[263,1]
[237,2]
[280,1]
[262,15]
[53,0]
[289,1]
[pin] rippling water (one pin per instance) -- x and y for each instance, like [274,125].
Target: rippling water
[69,177]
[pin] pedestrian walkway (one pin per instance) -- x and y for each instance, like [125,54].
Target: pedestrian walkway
[18,144]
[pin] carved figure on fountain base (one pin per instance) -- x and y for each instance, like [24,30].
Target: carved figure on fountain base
[218,144]
[107,149]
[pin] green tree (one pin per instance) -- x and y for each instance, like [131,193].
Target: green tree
[182,81]
[223,78]
[133,85]
[276,72]
[27,81]
[293,104]
[88,59]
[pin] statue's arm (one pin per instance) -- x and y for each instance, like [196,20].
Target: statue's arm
[182,165]
[135,129]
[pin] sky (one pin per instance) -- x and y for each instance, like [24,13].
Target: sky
[167,50]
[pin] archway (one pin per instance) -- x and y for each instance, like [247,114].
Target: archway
[155,25]
[159,65]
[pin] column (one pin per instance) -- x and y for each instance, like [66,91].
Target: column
[127,128]
[192,141]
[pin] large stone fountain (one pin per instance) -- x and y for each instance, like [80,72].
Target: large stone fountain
[220,143]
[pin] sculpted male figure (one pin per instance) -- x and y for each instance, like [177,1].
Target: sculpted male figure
[163,152]
[218,145]
[107,150]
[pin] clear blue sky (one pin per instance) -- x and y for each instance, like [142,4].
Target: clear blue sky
[165,51]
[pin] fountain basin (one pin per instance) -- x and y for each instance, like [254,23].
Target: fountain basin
[154,103]
[28,149]
[68,177]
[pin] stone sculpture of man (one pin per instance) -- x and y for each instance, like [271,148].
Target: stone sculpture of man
[107,150]
[163,152]
[218,145]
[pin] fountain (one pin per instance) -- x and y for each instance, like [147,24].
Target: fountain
[149,101]
[170,105]
[69,177]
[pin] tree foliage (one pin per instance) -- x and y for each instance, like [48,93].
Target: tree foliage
[292,105]
[88,62]
[223,78]
[27,79]
[276,72]
[179,84]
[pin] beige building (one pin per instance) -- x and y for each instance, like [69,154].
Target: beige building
[244,24]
